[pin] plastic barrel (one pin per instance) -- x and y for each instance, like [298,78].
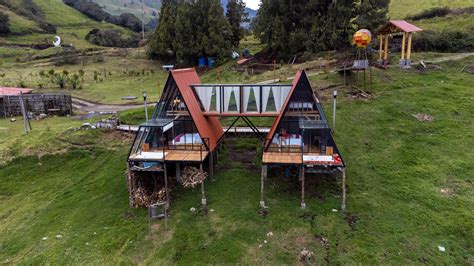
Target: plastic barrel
[211,62]
[202,62]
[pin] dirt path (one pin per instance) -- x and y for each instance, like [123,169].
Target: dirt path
[87,106]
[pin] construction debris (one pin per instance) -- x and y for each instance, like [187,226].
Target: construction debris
[143,198]
[191,177]
[305,255]
[423,117]
[360,94]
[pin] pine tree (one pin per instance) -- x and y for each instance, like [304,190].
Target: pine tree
[219,32]
[185,44]
[161,46]
[289,27]
[236,15]
[371,14]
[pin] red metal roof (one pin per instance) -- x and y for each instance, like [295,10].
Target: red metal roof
[283,108]
[208,127]
[401,25]
[11,91]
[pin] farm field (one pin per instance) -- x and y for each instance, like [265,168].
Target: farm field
[409,191]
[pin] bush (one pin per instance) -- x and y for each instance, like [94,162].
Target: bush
[447,41]
[90,9]
[111,38]
[130,21]
[431,13]
[4,28]
[67,57]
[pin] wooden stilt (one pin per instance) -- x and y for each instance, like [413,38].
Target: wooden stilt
[166,187]
[303,204]
[178,172]
[262,182]
[380,47]
[408,61]
[402,60]
[343,205]
[129,184]
[211,166]
[203,195]
[385,51]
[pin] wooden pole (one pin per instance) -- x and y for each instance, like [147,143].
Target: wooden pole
[303,204]
[203,195]
[385,50]
[262,182]
[129,183]
[343,206]
[211,165]
[408,61]
[402,60]
[380,47]
[166,187]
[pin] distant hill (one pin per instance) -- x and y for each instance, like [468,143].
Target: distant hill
[151,8]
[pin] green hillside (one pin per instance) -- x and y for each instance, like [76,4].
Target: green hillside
[72,25]
[400,9]
[117,7]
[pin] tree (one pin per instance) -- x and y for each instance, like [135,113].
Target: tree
[371,14]
[161,46]
[4,28]
[185,45]
[219,32]
[288,27]
[236,15]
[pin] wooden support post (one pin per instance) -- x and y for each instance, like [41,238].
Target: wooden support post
[178,172]
[129,185]
[385,50]
[303,204]
[203,195]
[211,165]
[262,182]
[166,187]
[343,205]
[408,61]
[380,47]
[402,60]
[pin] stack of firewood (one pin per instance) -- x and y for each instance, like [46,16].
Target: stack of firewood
[143,198]
[191,177]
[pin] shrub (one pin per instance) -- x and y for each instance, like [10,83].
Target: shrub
[430,13]
[67,57]
[446,41]
[130,21]
[4,28]
[111,38]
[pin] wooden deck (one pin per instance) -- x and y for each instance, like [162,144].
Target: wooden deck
[185,155]
[282,157]
[170,156]
[295,158]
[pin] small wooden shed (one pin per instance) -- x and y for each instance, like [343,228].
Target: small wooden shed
[396,27]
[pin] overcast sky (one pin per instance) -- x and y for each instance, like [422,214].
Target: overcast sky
[253,4]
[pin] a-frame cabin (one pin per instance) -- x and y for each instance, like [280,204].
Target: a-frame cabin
[177,135]
[301,137]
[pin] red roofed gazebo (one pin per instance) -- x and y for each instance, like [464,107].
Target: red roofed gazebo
[395,27]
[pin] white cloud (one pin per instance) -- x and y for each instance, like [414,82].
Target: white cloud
[253,4]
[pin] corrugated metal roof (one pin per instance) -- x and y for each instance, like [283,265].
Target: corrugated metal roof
[208,127]
[11,91]
[283,108]
[401,25]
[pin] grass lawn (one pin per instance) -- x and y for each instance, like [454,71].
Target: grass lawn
[410,190]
